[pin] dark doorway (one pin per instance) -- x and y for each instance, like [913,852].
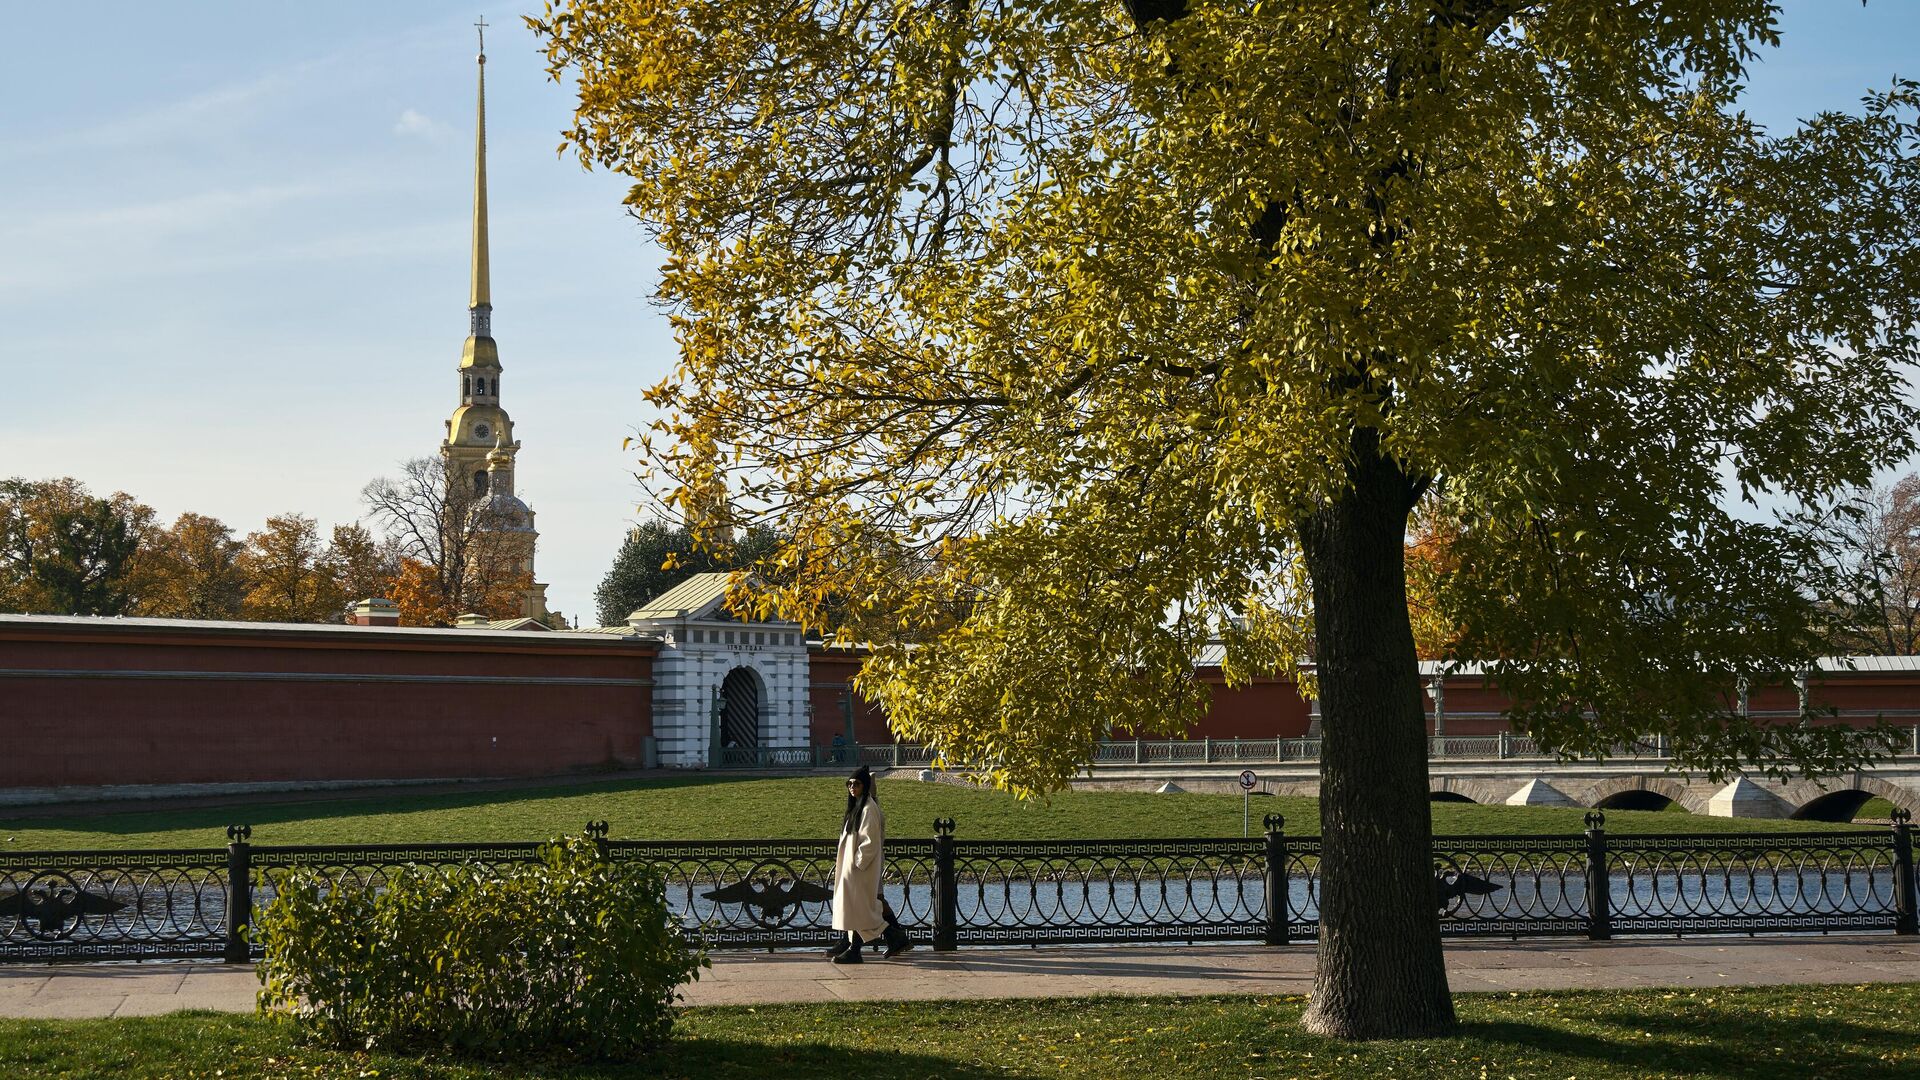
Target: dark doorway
[740,709]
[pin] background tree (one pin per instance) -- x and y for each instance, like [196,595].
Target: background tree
[1430,560]
[194,571]
[361,565]
[287,575]
[18,591]
[461,551]
[67,552]
[416,592]
[1880,612]
[1150,315]
[657,556]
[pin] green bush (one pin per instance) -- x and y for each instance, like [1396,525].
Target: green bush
[572,954]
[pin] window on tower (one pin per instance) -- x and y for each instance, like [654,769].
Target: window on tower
[466,383]
[480,482]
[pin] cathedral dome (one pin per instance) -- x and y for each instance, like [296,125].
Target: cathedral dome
[515,516]
[480,352]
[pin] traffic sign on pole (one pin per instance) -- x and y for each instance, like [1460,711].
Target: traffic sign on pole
[1247,780]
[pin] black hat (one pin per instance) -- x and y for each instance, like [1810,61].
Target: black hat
[857,804]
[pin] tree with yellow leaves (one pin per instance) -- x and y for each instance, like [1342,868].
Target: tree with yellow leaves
[195,571]
[288,579]
[1145,316]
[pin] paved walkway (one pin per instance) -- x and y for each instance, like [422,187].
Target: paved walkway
[754,979]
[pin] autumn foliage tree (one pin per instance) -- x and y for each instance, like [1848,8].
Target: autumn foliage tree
[65,551]
[195,571]
[1431,560]
[361,565]
[1879,614]
[460,552]
[1149,315]
[288,579]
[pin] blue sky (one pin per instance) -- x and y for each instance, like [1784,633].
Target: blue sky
[233,253]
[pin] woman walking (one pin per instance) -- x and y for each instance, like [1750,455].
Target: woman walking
[859,867]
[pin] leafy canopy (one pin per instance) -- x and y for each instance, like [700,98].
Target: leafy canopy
[656,556]
[1089,303]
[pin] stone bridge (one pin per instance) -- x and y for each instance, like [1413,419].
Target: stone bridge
[1623,784]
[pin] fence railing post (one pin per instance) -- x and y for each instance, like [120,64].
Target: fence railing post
[1206,750]
[597,832]
[1503,746]
[946,888]
[1278,911]
[1136,749]
[1599,883]
[239,893]
[895,755]
[1906,905]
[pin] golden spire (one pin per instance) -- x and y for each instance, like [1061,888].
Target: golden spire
[480,300]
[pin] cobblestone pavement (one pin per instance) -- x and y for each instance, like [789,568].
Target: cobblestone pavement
[754,979]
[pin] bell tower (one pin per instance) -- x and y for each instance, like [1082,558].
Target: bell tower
[479,447]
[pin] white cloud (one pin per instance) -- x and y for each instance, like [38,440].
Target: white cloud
[416,124]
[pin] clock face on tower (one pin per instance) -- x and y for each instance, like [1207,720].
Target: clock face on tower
[481,431]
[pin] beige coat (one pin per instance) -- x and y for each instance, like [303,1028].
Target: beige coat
[857,870]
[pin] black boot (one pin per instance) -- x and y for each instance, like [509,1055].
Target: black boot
[851,954]
[839,945]
[896,939]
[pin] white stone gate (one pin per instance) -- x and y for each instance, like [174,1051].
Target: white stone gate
[701,644]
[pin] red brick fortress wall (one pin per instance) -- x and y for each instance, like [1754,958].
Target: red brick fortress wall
[830,691]
[142,701]
[1261,709]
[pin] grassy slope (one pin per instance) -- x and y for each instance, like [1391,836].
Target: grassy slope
[1759,1033]
[705,807]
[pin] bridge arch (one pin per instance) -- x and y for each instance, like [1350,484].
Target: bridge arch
[1842,803]
[1464,789]
[1640,793]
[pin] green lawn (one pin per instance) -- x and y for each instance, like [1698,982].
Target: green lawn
[1745,1034]
[708,807]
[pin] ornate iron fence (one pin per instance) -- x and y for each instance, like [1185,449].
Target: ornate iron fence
[1069,891]
[776,893]
[99,905]
[113,905]
[1838,880]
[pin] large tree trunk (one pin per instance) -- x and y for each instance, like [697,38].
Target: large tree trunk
[1381,973]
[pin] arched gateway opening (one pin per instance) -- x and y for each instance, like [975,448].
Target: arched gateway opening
[740,698]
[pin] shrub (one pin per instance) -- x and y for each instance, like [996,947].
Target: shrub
[572,953]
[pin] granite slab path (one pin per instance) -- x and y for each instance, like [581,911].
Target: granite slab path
[96,990]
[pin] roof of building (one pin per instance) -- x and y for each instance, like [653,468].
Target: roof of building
[528,636]
[698,597]
[522,623]
[604,631]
